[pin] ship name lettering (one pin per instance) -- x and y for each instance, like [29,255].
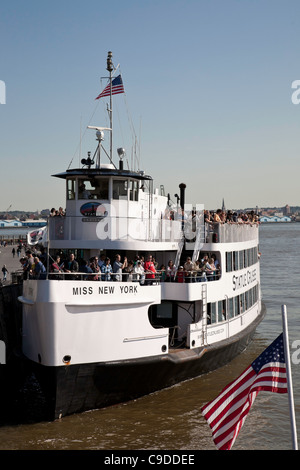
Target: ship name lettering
[82,290]
[88,290]
[243,279]
[106,289]
[128,289]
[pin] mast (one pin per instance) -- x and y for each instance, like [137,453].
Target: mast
[110,68]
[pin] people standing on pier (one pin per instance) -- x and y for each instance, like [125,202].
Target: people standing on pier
[29,265]
[4,272]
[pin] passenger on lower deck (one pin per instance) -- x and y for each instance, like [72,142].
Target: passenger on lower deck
[39,269]
[149,270]
[118,267]
[106,270]
[139,273]
[189,268]
[71,266]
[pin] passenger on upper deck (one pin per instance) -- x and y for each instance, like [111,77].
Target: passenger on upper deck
[207,217]
[217,216]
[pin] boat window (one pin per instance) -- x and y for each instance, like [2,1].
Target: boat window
[71,185]
[242,303]
[102,188]
[213,312]
[228,261]
[133,190]
[221,311]
[230,308]
[93,189]
[85,189]
[241,259]
[164,310]
[236,306]
[120,189]
[235,260]
[246,260]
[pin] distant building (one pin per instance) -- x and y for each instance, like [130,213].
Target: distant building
[14,229]
[10,223]
[275,219]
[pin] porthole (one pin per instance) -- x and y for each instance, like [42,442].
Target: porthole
[67,359]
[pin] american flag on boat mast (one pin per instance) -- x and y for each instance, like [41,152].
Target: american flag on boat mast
[115,86]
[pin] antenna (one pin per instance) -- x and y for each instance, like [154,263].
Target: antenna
[110,69]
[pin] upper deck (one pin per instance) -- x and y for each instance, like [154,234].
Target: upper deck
[118,209]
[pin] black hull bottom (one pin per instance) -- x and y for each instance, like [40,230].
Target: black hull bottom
[77,388]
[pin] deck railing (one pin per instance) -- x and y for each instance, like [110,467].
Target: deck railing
[124,228]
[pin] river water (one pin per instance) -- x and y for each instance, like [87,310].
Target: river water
[171,419]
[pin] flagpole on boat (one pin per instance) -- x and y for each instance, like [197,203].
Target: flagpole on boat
[110,68]
[289,376]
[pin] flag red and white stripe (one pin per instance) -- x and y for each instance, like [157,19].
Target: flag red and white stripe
[116,88]
[226,414]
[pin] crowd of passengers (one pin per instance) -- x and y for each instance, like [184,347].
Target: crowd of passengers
[210,217]
[144,271]
[231,217]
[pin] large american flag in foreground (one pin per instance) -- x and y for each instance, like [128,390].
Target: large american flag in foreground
[116,85]
[227,413]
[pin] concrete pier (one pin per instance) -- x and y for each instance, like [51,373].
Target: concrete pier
[12,262]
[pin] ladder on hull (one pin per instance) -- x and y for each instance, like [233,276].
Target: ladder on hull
[204,314]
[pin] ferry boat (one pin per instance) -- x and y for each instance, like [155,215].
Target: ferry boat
[98,339]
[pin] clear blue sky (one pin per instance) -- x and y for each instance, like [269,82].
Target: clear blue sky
[208,87]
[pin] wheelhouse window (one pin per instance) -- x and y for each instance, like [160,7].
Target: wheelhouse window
[103,185]
[120,189]
[71,185]
[93,188]
[133,190]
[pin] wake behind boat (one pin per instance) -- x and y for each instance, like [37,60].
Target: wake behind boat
[137,293]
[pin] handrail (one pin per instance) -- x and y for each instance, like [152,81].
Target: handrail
[159,276]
